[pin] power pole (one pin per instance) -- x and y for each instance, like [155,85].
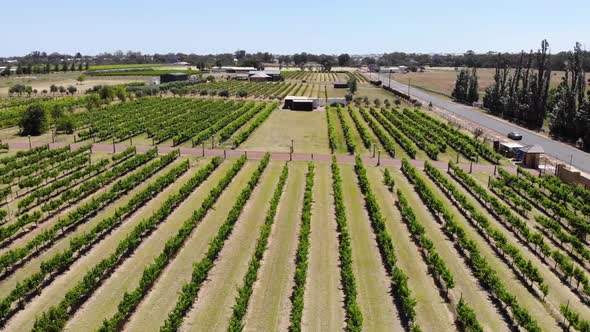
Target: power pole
[389,82]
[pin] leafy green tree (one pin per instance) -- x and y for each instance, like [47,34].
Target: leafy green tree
[7,71]
[34,120]
[106,92]
[72,89]
[73,66]
[121,93]
[352,85]
[570,106]
[64,67]
[343,60]
[62,89]
[472,91]
[65,124]
[81,78]
[93,101]
[461,86]
[53,88]
[87,66]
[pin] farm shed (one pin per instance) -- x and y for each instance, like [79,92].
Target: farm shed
[530,155]
[173,77]
[340,85]
[302,105]
[508,149]
[273,75]
[297,102]
[260,77]
[232,69]
[335,101]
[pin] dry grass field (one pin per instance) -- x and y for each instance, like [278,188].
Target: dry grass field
[442,80]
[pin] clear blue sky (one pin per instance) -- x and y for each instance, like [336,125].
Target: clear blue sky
[356,27]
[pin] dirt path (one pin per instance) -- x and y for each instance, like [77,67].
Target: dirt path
[213,308]
[34,265]
[505,273]
[153,310]
[466,284]
[431,309]
[323,308]
[104,301]
[559,293]
[374,287]
[270,306]
[54,293]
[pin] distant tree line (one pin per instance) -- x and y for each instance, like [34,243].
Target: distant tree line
[44,69]
[37,60]
[468,59]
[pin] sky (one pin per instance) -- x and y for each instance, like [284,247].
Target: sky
[286,27]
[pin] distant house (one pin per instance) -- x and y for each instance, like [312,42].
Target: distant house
[173,77]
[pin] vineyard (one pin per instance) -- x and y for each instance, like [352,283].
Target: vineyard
[300,227]
[141,241]
[402,133]
[173,120]
[322,76]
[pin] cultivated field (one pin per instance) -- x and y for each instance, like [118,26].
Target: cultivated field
[149,239]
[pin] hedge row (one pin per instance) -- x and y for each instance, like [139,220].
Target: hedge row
[12,257]
[363,132]
[412,133]
[56,317]
[418,231]
[331,130]
[533,239]
[399,279]
[525,266]
[301,263]
[244,292]
[201,269]
[350,146]
[79,244]
[381,134]
[482,270]
[397,134]
[152,272]
[264,114]
[354,316]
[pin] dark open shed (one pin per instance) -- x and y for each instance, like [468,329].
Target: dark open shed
[173,77]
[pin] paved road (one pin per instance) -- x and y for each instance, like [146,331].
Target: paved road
[561,151]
